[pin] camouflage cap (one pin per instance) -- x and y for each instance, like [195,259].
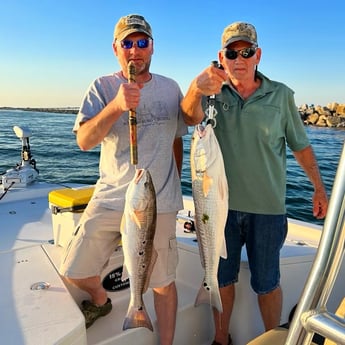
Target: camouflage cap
[239,31]
[130,24]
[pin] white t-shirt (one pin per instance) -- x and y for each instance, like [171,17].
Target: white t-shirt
[159,122]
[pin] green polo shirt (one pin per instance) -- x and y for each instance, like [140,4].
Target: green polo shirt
[253,135]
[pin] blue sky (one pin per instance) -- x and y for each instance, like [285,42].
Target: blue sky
[50,50]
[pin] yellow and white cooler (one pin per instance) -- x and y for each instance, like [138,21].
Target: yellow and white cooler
[67,206]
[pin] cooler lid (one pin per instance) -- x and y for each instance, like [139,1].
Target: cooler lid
[70,197]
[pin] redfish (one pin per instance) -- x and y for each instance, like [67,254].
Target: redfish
[210,195]
[138,228]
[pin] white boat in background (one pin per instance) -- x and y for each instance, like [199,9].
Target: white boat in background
[39,308]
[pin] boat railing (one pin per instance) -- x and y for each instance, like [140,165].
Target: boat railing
[311,315]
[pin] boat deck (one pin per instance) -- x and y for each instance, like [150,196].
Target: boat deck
[52,316]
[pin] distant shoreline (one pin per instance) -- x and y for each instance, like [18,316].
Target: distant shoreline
[331,116]
[65,110]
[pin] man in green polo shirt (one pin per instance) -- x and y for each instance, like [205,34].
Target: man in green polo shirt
[256,118]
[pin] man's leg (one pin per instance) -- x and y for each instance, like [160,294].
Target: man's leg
[93,287]
[165,300]
[100,305]
[267,236]
[222,320]
[227,277]
[270,305]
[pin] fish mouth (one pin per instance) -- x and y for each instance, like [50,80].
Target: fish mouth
[138,175]
[201,130]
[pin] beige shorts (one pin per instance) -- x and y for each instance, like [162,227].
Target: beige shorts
[97,236]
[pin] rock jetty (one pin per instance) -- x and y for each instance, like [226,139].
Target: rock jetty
[332,115]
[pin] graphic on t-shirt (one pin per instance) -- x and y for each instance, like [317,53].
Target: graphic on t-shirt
[149,114]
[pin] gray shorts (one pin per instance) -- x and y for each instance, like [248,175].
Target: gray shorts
[97,236]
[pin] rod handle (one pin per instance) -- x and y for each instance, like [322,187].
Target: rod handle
[132,119]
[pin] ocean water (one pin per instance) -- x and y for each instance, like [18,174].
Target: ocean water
[60,160]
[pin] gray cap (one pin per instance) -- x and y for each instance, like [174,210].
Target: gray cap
[239,31]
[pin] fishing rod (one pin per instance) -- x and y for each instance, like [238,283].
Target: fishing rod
[132,119]
[211,111]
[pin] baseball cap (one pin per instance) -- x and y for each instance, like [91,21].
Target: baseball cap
[130,24]
[239,31]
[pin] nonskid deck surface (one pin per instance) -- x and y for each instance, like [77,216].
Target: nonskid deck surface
[36,317]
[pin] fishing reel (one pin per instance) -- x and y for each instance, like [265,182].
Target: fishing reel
[189,224]
[217,64]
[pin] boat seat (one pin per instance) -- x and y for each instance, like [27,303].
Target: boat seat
[340,312]
[275,336]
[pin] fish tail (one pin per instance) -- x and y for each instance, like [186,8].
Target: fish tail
[209,295]
[137,317]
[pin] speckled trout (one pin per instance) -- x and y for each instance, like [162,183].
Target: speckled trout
[138,228]
[210,195]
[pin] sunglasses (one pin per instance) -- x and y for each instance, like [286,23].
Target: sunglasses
[246,53]
[142,43]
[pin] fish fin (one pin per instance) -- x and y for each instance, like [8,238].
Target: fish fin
[154,256]
[123,224]
[222,189]
[223,251]
[224,194]
[207,182]
[137,317]
[221,241]
[209,295]
[124,274]
[135,219]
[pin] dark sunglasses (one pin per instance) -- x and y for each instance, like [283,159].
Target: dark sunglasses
[246,53]
[142,43]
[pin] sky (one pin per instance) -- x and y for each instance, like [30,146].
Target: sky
[51,50]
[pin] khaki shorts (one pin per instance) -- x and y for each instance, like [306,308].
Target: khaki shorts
[97,236]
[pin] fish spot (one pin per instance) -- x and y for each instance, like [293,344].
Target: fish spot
[205,218]
[206,287]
